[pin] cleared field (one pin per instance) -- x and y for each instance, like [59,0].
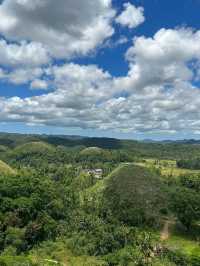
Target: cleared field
[166,167]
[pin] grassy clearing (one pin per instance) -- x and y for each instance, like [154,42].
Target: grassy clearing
[184,243]
[166,167]
[58,253]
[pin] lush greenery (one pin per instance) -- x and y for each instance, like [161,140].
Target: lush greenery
[189,163]
[53,211]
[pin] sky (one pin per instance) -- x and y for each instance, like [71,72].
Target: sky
[111,68]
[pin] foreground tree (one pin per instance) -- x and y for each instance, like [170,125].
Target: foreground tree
[185,203]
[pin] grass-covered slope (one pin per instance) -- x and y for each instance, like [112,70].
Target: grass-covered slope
[136,195]
[3,148]
[92,151]
[32,153]
[33,147]
[5,169]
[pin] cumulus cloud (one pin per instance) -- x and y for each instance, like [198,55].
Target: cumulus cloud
[21,76]
[131,16]
[79,90]
[159,93]
[163,59]
[36,33]
[23,54]
[65,29]
[156,95]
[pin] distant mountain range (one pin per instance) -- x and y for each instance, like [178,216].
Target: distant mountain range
[72,140]
[182,141]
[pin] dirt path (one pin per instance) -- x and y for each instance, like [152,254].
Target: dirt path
[165,232]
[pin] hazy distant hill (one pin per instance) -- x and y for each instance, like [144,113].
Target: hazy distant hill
[181,149]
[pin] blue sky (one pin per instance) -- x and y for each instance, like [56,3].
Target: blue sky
[95,73]
[159,14]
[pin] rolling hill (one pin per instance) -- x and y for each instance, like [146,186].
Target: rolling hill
[5,169]
[34,147]
[30,154]
[92,151]
[135,194]
[165,150]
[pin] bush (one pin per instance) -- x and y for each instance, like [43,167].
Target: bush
[178,258]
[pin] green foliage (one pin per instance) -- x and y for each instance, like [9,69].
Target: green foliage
[34,154]
[189,163]
[33,206]
[14,237]
[177,257]
[97,238]
[191,181]
[15,261]
[52,212]
[185,204]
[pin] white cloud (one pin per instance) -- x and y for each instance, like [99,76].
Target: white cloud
[122,40]
[35,33]
[160,96]
[163,59]
[131,16]
[157,94]
[39,84]
[21,75]
[167,45]
[72,27]
[23,54]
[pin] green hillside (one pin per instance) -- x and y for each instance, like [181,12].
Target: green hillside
[5,169]
[136,194]
[3,148]
[92,151]
[162,150]
[31,153]
[34,147]
[54,212]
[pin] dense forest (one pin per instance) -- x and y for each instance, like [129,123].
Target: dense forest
[96,201]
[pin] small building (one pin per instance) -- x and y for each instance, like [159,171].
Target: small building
[97,173]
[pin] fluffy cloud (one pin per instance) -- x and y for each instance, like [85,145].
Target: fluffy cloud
[23,54]
[21,75]
[163,59]
[131,16]
[156,95]
[35,33]
[166,46]
[79,90]
[72,27]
